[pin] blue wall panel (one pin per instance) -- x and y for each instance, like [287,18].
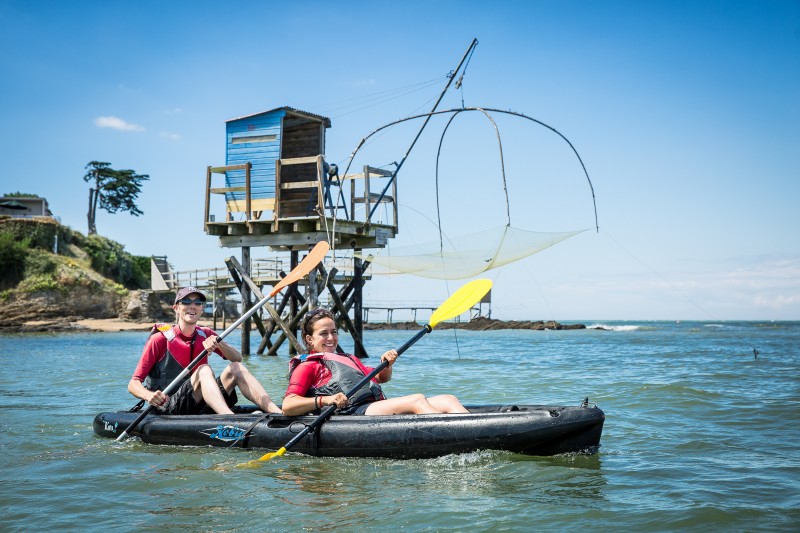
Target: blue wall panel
[261,154]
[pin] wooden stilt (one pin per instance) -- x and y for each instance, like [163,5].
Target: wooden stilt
[358,324]
[340,312]
[253,287]
[292,325]
[240,279]
[214,307]
[294,347]
[245,290]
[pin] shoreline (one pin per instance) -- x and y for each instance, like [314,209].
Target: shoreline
[82,325]
[106,325]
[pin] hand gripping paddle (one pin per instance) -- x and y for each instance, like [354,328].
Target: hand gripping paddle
[306,265]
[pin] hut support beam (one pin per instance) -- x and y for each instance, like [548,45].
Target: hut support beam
[341,312]
[276,319]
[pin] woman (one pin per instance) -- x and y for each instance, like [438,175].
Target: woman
[322,377]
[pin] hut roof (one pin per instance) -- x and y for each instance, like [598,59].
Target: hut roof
[290,111]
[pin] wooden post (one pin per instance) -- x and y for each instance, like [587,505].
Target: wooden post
[358,323]
[214,306]
[292,325]
[265,341]
[340,311]
[245,290]
[240,278]
[208,196]
[247,196]
[293,303]
[311,290]
[366,195]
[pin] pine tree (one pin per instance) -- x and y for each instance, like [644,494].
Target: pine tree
[112,190]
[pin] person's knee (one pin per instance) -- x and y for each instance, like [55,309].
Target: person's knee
[420,400]
[447,403]
[237,370]
[202,374]
[449,398]
[204,370]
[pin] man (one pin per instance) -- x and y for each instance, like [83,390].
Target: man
[170,349]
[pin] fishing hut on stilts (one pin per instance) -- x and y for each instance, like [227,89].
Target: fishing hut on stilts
[276,190]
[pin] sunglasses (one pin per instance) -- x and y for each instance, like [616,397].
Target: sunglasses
[189,301]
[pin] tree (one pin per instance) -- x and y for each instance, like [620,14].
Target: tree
[113,190]
[21,195]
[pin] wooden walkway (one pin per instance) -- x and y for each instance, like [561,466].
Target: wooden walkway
[263,272]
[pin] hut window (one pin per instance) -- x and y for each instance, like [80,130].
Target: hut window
[254,139]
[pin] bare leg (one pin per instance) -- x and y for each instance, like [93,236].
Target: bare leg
[447,403]
[415,404]
[237,375]
[205,387]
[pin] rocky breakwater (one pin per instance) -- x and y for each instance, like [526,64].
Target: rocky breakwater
[481,324]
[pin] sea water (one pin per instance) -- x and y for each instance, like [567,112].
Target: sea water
[700,434]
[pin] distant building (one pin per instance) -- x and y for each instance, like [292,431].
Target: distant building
[24,207]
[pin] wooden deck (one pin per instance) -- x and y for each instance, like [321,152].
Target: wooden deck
[299,233]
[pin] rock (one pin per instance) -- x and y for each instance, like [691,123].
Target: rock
[147,306]
[60,308]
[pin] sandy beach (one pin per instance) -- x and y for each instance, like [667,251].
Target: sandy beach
[117,324]
[91,324]
[112,324]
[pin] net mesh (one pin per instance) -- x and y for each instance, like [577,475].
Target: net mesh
[469,255]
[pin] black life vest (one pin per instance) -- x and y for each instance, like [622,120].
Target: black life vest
[167,368]
[345,374]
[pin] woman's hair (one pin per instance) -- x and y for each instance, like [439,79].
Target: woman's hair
[312,317]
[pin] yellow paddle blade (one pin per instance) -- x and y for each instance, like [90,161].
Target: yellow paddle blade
[272,455]
[461,300]
[266,457]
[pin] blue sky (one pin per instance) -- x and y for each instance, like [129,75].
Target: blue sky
[686,114]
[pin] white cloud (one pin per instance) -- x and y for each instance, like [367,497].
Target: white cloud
[116,124]
[169,135]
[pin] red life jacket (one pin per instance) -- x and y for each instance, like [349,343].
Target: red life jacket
[345,374]
[167,368]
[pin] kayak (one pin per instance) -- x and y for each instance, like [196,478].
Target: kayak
[525,429]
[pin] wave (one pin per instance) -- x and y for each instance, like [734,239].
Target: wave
[623,327]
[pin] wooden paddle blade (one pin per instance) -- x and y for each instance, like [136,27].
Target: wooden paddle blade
[308,264]
[461,300]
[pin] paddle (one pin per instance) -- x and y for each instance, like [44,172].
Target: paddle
[306,265]
[460,301]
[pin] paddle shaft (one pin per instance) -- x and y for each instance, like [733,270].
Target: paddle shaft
[328,411]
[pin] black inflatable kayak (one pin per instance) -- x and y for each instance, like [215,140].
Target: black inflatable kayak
[525,429]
